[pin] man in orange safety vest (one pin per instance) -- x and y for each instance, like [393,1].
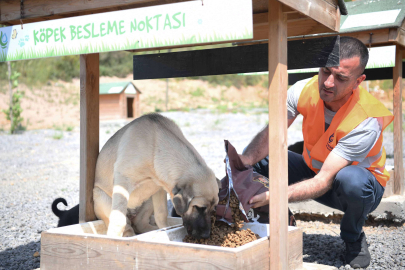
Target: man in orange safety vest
[343,161]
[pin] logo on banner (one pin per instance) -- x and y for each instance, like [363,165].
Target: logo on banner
[3,40]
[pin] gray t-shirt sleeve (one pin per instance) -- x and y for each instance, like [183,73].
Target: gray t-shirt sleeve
[356,145]
[293,95]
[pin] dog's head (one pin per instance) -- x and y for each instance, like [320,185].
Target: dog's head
[194,198]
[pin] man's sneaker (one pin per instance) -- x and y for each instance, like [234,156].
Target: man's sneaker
[357,254]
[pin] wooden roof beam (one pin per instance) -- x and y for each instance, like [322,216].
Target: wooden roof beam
[323,12]
[397,35]
[297,25]
[36,10]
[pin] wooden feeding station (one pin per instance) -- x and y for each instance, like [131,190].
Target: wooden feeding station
[270,23]
[119,100]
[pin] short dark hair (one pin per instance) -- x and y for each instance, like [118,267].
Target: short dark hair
[351,47]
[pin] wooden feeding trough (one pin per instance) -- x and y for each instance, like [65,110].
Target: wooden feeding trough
[273,22]
[85,246]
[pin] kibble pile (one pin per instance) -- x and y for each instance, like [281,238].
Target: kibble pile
[224,235]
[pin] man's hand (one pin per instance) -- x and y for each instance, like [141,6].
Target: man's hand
[260,200]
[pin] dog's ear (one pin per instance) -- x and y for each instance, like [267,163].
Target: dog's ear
[181,199]
[219,183]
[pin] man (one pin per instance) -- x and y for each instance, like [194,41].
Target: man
[342,164]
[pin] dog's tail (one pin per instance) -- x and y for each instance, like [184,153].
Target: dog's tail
[55,203]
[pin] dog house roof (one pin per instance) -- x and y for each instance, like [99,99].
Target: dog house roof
[118,87]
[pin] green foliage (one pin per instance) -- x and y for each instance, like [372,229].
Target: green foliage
[16,112]
[40,71]
[15,106]
[58,135]
[69,128]
[118,64]
[199,92]
[386,85]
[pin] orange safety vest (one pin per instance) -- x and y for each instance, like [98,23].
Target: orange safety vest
[318,143]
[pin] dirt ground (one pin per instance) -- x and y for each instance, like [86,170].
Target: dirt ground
[57,105]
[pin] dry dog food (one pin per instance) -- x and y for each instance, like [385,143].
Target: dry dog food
[224,235]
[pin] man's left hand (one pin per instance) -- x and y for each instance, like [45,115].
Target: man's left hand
[260,200]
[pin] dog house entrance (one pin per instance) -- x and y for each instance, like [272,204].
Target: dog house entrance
[130,108]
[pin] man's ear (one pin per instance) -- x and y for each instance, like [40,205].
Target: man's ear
[359,80]
[181,199]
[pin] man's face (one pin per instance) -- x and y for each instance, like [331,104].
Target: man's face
[336,84]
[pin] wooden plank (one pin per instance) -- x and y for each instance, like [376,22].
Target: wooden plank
[83,246]
[89,132]
[295,28]
[295,249]
[278,173]
[397,99]
[319,10]
[400,37]
[40,9]
[253,58]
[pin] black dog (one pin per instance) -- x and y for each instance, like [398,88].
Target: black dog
[68,217]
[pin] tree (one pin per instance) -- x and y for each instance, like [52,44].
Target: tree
[13,113]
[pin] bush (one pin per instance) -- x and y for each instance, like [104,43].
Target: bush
[16,113]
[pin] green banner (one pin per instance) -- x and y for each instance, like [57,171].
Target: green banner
[189,22]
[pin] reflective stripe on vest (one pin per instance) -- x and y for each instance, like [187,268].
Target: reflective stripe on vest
[318,143]
[367,162]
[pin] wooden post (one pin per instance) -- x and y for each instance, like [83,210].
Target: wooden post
[89,132]
[397,100]
[278,160]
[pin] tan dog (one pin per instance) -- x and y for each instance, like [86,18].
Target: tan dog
[139,165]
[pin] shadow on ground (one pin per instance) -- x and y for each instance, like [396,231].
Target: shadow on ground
[323,249]
[21,257]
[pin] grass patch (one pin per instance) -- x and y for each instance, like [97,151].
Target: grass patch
[199,92]
[57,135]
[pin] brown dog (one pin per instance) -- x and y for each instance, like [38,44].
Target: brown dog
[139,165]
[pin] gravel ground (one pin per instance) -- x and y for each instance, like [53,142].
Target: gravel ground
[38,166]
